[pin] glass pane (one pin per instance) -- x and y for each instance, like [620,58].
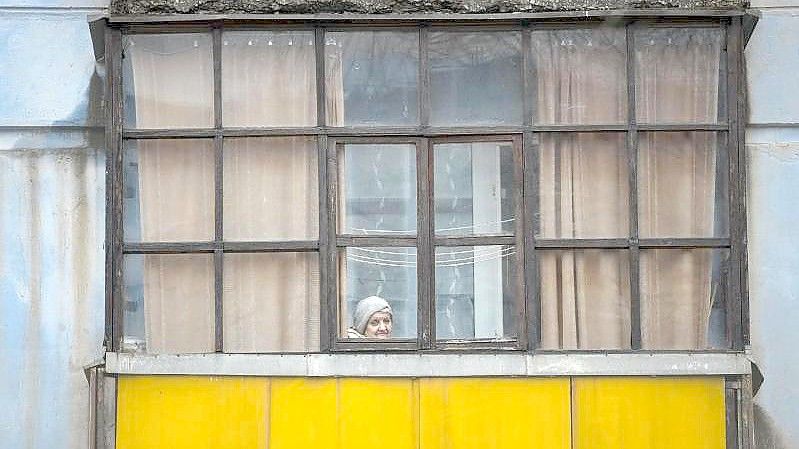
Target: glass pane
[583,185]
[271,302]
[474,188]
[168,81]
[377,189]
[585,299]
[581,76]
[370,279]
[477,292]
[268,78]
[270,189]
[372,78]
[682,185]
[168,303]
[677,75]
[683,298]
[476,78]
[168,191]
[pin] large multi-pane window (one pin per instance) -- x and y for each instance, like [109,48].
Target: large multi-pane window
[552,186]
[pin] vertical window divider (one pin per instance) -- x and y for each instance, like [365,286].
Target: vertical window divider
[425,252]
[632,161]
[329,300]
[520,298]
[218,194]
[114,226]
[529,203]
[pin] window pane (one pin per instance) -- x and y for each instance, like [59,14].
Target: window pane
[682,185]
[168,303]
[168,81]
[474,188]
[271,302]
[476,78]
[683,298]
[583,185]
[677,75]
[581,76]
[268,78]
[372,78]
[476,292]
[168,190]
[377,188]
[270,189]
[585,299]
[386,273]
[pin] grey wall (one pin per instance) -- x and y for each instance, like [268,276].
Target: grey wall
[773,201]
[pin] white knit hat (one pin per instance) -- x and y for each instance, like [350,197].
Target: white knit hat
[366,308]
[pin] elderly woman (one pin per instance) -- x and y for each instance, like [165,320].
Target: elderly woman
[372,319]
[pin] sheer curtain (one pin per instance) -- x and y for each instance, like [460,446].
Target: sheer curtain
[270,191]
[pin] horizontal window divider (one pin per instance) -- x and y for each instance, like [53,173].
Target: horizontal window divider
[580,128]
[169,133]
[582,243]
[466,345]
[343,241]
[477,240]
[682,127]
[645,243]
[170,247]
[268,132]
[361,345]
[281,246]
[436,131]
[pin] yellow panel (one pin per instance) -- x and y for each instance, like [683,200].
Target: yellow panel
[495,413]
[649,413]
[303,414]
[178,412]
[380,413]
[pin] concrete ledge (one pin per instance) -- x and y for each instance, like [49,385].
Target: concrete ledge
[430,365]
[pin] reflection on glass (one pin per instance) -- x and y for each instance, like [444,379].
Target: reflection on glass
[372,78]
[476,292]
[168,303]
[377,189]
[271,302]
[270,189]
[677,75]
[474,188]
[585,299]
[268,78]
[370,278]
[581,76]
[683,298]
[583,185]
[168,81]
[476,78]
[682,185]
[168,190]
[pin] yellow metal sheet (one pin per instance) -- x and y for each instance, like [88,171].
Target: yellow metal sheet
[303,414]
[495,413]
[649,413]
[187,412]
[378,413]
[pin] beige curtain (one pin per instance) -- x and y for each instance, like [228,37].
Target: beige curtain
[270,300]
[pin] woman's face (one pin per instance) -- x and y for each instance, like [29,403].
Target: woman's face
[379,325]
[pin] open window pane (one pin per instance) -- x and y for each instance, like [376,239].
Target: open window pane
[271,302]
[168,303]
[585,299]
[168,193]
[270,189]
[476,292]
[475,78]
[583,185]
[682,185]
[168,81]
[268,78]
[474,188]
[372,78]
[683,298]
[581,76]
[370,279]
[677,75]
[377,189]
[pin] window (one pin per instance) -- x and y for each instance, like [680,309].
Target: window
[523,186]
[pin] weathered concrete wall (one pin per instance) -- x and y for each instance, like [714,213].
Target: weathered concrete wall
[773,157]
[51,223]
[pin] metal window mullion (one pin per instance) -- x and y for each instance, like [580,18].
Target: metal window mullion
[114,227]
[425,252]
[218,194]
[632,165]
